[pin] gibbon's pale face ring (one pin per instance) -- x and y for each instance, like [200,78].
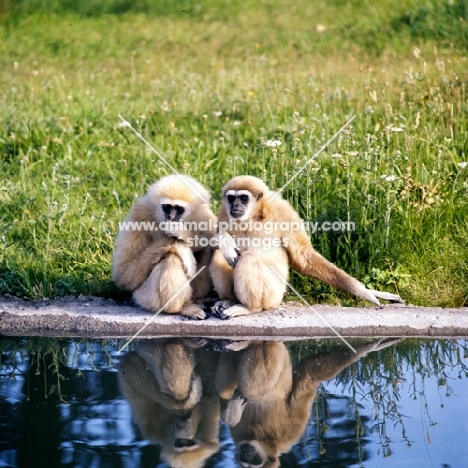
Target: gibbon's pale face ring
[240,204]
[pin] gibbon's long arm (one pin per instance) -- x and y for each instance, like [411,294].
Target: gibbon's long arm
[306,261]
[313,370]
[327,366]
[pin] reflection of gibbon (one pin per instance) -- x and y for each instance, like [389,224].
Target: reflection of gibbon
[170,387]
[156,261]
[266,404]
[250,272]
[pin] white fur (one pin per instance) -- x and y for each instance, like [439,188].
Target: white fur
[238,193]
[227,246]
[188,260]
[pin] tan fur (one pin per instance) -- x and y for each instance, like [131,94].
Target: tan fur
[275,401]
[151,263]
[252,282]
[169,386]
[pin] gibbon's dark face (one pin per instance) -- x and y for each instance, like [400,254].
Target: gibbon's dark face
[172,212]
[239,202]
[248,455]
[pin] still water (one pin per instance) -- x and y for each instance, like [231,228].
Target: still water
[208,403]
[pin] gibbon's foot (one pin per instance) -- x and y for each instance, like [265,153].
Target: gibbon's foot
[206,304]
[219,306]
[196,343]
[229,345]
[194,311]
[235,407]
[234,311]
[220,345]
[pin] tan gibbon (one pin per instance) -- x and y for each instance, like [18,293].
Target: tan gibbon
[267,403]
[260,237]
[170,387]
[163,243]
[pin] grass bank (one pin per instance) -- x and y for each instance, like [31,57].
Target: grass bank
[209,84]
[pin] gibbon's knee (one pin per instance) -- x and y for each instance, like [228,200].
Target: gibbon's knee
[256,286]
[164,287]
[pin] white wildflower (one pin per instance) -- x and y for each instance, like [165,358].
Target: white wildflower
[320,28]
[392,128]
[272,143]
[388,178]
[217,113]
[462,165]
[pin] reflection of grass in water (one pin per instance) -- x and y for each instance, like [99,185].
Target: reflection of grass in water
[377,377]
[209,83]
[47,358]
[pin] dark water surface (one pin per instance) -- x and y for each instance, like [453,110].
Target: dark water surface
[202,403]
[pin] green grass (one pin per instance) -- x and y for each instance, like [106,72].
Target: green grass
[208,84]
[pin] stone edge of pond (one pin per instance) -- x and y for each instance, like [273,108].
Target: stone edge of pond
[94,317]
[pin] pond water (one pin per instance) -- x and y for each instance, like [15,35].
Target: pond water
[216,403]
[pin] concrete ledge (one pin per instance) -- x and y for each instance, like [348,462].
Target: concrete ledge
[93,317]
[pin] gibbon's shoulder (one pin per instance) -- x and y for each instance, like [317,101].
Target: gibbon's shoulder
[142,210]
[276,208]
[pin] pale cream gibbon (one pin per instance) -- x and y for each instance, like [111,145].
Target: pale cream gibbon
[267,403]
[260,237]
[170,387]
[155,253]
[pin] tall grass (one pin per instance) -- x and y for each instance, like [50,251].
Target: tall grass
[209,84]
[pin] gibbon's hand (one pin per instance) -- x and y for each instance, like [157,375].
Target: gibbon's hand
[235,407]
[371,295]
[188,260]
[228,248]
[174,229]
[378,345]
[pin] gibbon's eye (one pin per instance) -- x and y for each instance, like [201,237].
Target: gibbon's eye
[166,208]
[230,199]
[244,199]
[271,459]
[179,210]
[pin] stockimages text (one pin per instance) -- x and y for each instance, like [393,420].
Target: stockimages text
[277,229]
